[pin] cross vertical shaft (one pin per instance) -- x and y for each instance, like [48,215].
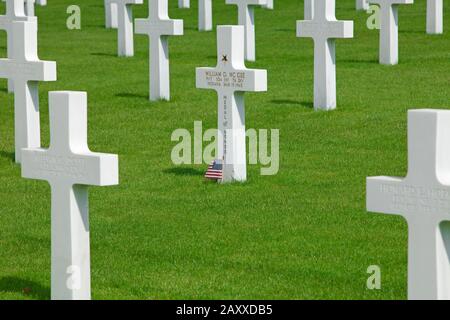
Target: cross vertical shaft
[435,17]
[428,259]
[159,68]
[246,18]
[269,4]
[389,35]
[125,31]
[110,14]
[205,15]
[362,5]
[308,10]
[325,74]
[184,4]
[26,107]
[29,8]
[70,278]
[231,133]
[389,29]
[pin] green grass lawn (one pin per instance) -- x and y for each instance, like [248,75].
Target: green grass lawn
[165,232]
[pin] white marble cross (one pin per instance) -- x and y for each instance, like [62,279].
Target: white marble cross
[362,5]
[184,4]
[205,15]
[158,26]
[389,29]
[110,14]
[69,167]
[324,29]
[25,69]
[435,16]
[231,79]
[246,18]
[15,11]
[423,198]
[125,26]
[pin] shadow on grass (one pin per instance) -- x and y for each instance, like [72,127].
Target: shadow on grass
[369,61]
[96,26]
[285,29]
[191,28]
[287,101]
[131,95]
[25,287]
[179,171]
[8,155]
[103,54]
[412,31]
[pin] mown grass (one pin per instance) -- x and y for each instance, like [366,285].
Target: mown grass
[166,233]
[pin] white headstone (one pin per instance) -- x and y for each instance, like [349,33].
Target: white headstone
[158,26]
[41,2]
[69,167]
[184,4]
[26,70]
[435,16]
[362,5]
[231,79]
[125,26]
[324,29]
[205,15]
[308,10]
[15,11]
[246,18]
[389,29]
[423,198]
[110,14]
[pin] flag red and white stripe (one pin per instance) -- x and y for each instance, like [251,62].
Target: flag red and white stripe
[214,171]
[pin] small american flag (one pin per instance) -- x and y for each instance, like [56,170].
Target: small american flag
[214,171]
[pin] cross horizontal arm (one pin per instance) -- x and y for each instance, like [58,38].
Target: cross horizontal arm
[329,30]
[69,160]
[381,194]
[6,22]
[126,2]
[98,169]
[159,28]
[28,70]
[390,2]
[247,2]
[405,197]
